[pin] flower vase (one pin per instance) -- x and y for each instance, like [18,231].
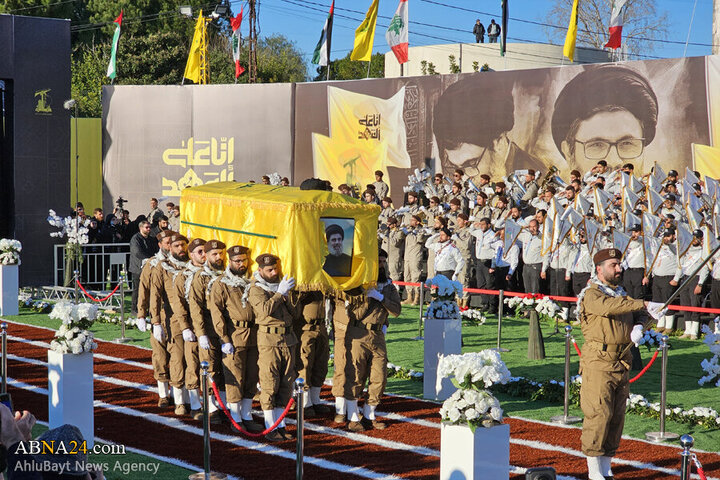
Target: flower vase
[9,289]
[484,453]
[442,337]
[70,392]
[536,345]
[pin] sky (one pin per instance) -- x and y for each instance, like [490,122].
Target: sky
[302,21]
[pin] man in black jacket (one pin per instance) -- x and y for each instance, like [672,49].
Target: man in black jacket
[142,246]
[479,31]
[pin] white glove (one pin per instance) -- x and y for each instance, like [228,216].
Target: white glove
[637,334]
[372,293]
[204,342]
[158,333]
[286,284]
[656,311]
[454,277]
[227,348]
[188,335]
[141,324]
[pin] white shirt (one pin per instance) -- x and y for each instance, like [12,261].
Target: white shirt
[531,247]
[561,258]
[690,261]
[447,255]
[510,260]
[666,262]
[484,249]
[582,262]
[634,255]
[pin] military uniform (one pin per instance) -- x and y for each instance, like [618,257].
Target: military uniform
[465,242]
[203,326]
[314,351]
[160,354]
[414,243]
[368,351]
[396,253]
[341,320]
[276,345]
[606,322]
[233,320]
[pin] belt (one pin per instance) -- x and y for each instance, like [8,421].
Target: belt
[244,324]
[534,265]
[375,327]
[278,330]
[612,347]
[317,321]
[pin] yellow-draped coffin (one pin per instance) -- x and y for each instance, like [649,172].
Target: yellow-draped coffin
[293,224]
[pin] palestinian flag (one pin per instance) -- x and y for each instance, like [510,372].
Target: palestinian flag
[321,55]
[235,24]
[397,32]
[111,71]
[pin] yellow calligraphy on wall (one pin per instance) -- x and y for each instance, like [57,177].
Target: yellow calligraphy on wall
[205,154]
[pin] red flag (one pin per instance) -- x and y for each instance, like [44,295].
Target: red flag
[616,24]
[235,24]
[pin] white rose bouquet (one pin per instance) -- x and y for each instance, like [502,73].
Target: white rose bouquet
[545,307]
[443,305]
[472,373]
[10,251]
[711,366]
[73,335]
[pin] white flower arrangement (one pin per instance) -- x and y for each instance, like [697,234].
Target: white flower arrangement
[705,416]
[545,307]
[275,178]
[474,315]
[711,366]
[472,373]
[75,233]
[10,251]
[443,305]
[73,335]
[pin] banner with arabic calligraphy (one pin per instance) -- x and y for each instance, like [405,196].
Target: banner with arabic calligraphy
[162,139]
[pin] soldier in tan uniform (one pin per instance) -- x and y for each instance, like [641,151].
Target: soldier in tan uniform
[465,242]
[234,323]
[396,249]
[160,353]
[606,315]
[368,352]
[342,379]
[314,351]
[165,330]
[181,319]
[208,340]
[276,341]
[414,247]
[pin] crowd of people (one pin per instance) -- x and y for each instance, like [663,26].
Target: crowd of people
[493,31]
[202,304]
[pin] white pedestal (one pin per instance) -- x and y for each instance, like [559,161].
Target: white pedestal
[70,399]
[466,455]
[442,337]
[9,290]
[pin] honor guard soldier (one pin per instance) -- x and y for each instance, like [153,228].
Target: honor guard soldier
[234,322]
[414,241]
[607,322]
[342,367]
[691,294]
[663,271]
[208,340]
[314,351]
[158,339]
[368,351]
[165,330]
[276,341]
[181,318]
[396,249]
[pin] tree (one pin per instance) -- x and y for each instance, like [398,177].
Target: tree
[346,69]
[642,23]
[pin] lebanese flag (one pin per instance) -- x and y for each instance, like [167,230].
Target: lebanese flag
[397,32]
[616,23]
[235,24]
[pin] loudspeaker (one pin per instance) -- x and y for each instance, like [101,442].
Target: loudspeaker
[540,473]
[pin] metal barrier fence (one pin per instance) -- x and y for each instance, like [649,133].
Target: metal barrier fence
[101,266]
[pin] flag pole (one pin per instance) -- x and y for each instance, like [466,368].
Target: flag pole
[368,70]
[327,77]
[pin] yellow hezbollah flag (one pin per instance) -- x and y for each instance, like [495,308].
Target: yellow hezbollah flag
[365,35]
[569,48]
[192,68]
[707,160]
[351,163]
[363,119]
[290,223]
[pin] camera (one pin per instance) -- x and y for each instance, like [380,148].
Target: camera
[120,202]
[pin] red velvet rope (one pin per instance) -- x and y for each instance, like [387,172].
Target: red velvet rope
[698,465]
[93,298]
[235,424]
[642,372]
[577,349]
[681,308]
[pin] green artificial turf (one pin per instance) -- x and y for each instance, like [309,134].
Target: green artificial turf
[683,368]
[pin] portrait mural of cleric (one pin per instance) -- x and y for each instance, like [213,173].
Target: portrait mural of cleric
[339,234]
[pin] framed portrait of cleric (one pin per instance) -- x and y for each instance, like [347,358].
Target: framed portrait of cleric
[339,235]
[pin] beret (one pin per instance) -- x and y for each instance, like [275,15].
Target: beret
[214,245]
[387,199]
[635,228]
[482,194]
[446,231]
[435,199]
[177,237]
[485,176]
[412,193]
[237,250]
[587,92]
[266,260]
[334,229]
[463,216]
[382,253]
[195,243]
[500,184]
[379,173]
[392,220]
[164,234]
[606,254]
[531,172]
[698,233]
[455,201]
